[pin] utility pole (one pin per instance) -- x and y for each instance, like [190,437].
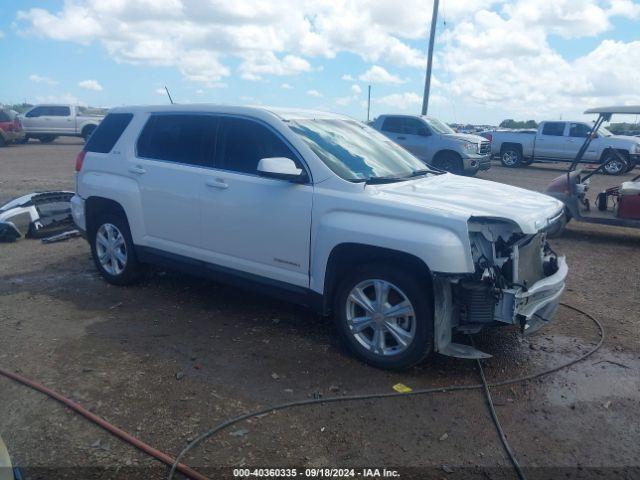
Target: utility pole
[369,103]
[427,80]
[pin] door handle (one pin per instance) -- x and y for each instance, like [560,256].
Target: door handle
[137,169]
[401,138]
[217,183]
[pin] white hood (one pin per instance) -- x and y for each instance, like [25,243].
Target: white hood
[471,197]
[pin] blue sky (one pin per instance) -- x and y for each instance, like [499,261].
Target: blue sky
[494,59]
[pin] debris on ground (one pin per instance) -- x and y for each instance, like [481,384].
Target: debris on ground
[275,376]
[447,469]
[241,432]
[402,388]
[61,237]
[9,232]
[444,437]
[179,375]
[39,214]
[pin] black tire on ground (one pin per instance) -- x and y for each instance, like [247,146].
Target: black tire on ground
[449,161]
[132,268]
[87,131]
[511,156]
[630,165]
[47,138]
[417,291]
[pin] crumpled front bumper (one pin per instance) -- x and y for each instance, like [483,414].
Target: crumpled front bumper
[542,298]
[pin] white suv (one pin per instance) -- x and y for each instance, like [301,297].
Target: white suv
[322,210]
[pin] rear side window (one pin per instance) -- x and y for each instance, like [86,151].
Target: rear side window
[243,143]
[393,125]
[553,128]
[179,138]
[108,132]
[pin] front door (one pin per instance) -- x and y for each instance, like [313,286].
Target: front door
[250,223]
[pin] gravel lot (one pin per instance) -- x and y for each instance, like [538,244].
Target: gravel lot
[120,352]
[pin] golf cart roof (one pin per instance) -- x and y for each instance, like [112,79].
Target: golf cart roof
[626,109]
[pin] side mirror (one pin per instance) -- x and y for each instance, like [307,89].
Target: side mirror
[282,168]
[594,135]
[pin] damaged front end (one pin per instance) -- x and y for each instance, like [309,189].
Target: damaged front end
[518,280]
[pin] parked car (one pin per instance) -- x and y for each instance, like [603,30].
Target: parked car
[437,144]
[323,210]
[560,141]
[10,128]
[47,122]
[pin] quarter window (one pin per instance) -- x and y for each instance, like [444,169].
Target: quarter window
[243,143]
[108,132]
[179,138]
[553,128]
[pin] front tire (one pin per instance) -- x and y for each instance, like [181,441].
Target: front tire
[450,162]
[384,315]
[614,166]
[113,251]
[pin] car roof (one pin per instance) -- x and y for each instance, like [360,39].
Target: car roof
[624,109]
[253,111]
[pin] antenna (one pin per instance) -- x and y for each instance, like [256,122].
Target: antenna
[168,94]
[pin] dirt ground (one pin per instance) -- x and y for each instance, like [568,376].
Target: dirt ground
[176,355]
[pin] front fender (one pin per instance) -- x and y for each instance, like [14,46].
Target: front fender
[442,249]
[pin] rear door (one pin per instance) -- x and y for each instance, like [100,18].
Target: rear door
[251,223]
[173,153]
[550,141]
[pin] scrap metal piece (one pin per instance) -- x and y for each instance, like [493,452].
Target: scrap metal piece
[39,214]
[61,237]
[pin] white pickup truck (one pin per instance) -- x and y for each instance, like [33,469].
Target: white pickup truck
[560,141]
[47,122]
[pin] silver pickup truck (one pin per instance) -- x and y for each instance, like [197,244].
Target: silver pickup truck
[560,141]
[47,122]
[435,143]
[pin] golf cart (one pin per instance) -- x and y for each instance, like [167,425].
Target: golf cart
[618,205]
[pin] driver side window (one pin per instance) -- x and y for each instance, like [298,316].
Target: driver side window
[579,130]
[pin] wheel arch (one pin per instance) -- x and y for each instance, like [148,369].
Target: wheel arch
[344,257]
[87,129]
[446,151]
[95,206]
[505,145]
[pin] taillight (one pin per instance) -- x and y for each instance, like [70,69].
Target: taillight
[80,160]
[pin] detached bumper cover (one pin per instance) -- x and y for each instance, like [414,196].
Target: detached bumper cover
[543,297]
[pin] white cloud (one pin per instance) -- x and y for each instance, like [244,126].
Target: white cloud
[286,86]
[64,98]
[356,89]
[1,34]
[347,77]
[400,101]
[344,101]
[314,93]
[40,79]
[160,91]
[201,39]
[90,85]
[377,74]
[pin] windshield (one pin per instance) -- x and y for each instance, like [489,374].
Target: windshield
[603,132]
[355,151]
[439,127]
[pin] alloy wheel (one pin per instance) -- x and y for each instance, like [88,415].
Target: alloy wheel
[111,249]
[381,317]
[510,158]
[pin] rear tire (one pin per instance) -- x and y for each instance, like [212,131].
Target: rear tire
[396,333]
[511,156]
[450,162]
[113,251]
[47,138]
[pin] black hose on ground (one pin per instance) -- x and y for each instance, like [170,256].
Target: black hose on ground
[454,388]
